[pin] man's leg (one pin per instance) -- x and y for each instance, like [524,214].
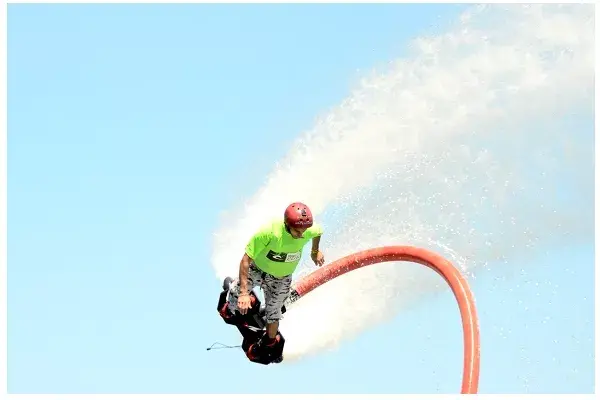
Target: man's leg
[276,291]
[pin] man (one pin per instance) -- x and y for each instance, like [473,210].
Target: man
[270,258]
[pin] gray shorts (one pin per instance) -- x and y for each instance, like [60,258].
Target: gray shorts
[276,290]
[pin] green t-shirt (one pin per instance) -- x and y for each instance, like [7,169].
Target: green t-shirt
[275,251]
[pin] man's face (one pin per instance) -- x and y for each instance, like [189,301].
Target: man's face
[297,232]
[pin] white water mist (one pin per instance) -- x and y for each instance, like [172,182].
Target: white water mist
[465,147]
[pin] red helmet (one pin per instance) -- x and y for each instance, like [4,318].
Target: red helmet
[298,215]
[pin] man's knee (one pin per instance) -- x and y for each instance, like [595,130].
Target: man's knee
[273,309]
[273,312]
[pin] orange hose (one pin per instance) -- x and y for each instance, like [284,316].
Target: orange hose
[457,283]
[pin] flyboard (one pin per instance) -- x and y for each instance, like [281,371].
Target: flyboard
[252,325]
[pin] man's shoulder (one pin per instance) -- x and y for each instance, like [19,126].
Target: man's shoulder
[315,230]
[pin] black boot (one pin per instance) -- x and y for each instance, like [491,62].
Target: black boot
[261,345]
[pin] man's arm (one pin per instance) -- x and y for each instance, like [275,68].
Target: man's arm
[315,244]
[244,267]
[255,246]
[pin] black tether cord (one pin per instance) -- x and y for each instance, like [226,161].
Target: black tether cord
[223,346]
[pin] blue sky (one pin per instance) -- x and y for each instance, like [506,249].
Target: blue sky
[131,127]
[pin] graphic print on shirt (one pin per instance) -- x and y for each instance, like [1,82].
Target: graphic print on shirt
[283,257]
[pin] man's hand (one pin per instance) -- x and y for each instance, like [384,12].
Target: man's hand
[317,257]
[243,303]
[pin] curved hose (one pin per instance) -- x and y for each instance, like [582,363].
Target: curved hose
[456,281]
